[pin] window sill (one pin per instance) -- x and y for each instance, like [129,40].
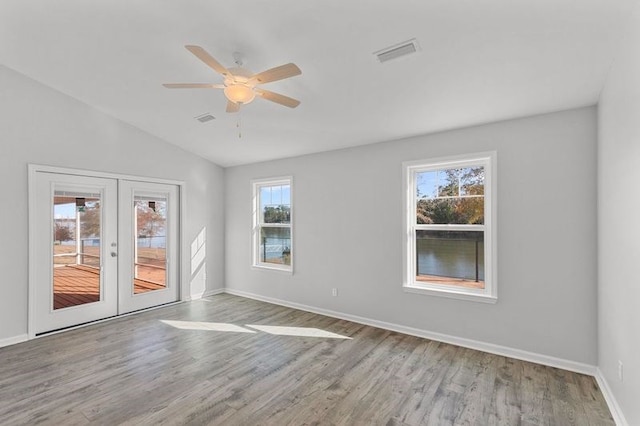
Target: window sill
[450,293]
[285,270]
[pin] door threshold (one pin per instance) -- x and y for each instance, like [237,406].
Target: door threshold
[84,324]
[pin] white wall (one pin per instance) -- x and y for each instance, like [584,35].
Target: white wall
[40,125]
[619,224]
[348,234]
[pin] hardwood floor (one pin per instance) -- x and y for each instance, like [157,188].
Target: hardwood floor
[227,360]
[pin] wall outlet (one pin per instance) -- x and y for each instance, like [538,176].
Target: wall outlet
[334,291]
[620,376]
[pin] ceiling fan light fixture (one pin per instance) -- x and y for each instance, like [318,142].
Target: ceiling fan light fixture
[239,93]
[240,84]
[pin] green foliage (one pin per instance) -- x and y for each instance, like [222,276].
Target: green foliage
[451,210]
[277,214]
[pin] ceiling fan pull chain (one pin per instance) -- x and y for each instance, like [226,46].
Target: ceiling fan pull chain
[239,124]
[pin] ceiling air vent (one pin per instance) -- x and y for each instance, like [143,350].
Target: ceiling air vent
[205,117]
[402,49]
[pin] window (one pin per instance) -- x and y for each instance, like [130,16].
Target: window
[450,233]
[272,242]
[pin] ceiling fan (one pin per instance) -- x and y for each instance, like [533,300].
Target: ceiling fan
[240,85]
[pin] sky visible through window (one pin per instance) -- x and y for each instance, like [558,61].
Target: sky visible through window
[427,184]
[65,211]
[279,195]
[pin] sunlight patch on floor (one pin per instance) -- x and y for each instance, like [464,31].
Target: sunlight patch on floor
[269,329]
[208,326]
[297,331]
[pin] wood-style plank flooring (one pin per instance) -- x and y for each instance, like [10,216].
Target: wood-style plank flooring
[227,360]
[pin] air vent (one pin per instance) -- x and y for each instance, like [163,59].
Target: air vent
[402,49]
[205,117]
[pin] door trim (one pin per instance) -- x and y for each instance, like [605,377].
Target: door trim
[183,270]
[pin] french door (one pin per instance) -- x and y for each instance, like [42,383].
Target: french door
[102,247]
[76,250]
[148,274]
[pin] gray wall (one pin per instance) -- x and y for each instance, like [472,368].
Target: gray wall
[40,125]
[619,224]
[348,234]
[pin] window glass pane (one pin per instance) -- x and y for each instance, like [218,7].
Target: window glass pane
[275,245]
[472,181]
[265,197]
[277,214]
[275,204]
[286,195]
[453,258]
[427,184]
[451,211]
[272,241]
[450,196]
[448,182]
[276,195]
[277,208]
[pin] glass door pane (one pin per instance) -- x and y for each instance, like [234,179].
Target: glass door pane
[150,244]
[148,261]
[76,248]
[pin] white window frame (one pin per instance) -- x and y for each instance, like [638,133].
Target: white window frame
[257,224]
[410,170]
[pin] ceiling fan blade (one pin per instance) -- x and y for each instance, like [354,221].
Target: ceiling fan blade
[193,86]
[205,57]
[277,98]
[232,107]
[277,73]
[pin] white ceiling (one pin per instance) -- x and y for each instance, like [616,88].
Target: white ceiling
[481,61]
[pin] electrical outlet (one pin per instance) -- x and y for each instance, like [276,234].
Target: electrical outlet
[620,376]
[334,291]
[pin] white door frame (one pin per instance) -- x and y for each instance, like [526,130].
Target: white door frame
[183,273]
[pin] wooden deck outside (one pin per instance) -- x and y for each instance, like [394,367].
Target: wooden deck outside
[457,282]
[79,284]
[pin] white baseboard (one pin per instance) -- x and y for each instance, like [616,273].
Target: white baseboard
[205,294]
[13,340]
[445,338]
[616,412]
[213,292]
